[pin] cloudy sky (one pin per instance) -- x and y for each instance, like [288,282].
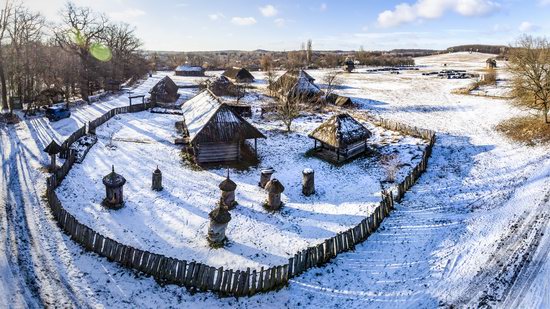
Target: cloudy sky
[187,25]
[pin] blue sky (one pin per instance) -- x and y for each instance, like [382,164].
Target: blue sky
[188,25]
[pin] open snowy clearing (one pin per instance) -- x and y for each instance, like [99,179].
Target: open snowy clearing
[448,242]
[174,222]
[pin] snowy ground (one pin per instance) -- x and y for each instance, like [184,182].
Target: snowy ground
[174,222]
[460,237]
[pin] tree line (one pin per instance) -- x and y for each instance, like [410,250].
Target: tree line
[73,57]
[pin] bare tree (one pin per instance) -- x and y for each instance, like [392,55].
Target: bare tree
[529,64]
[266,62]
[291,101]
[332,80]
[5,16]
[309,52]
[80,30]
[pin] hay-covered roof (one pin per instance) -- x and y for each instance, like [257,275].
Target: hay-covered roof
[339,100]
[165,86]
[274,186]
[221,86]
[237,74]
[113,179]
[208,119]
[296,81]
[340,131]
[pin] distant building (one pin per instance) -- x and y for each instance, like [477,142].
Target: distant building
[186,70]
[339,100]
[214,131]
[491,63]
[165,91]
[239,75]
[340,138]
[349,65]
[222,86]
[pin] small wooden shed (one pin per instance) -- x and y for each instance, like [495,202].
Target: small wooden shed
[339,100]
[296,82]
[165,91]
[239,75]
[187,70]
[491,63]
[340,138]
[222,86]
[214,131]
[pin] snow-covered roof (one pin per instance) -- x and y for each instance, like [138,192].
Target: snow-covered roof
[296,81]
[238,74]
[208,119]
[189,68]
[340,131]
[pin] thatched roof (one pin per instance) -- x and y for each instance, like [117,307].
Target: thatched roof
[339,100]
[340,131]
[113,179]
[239,74]
[165,90]
[296,81]
[221,86]
[53,148]
[208,119]
[220,215]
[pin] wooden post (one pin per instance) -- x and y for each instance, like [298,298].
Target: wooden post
[265,176]
[308,181]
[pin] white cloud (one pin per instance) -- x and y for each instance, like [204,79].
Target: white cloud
[323,7]
[243,21]
[126,15]
[432,9]
[544,2]
[280,22]
[528,27]
[216,16]
[268,10]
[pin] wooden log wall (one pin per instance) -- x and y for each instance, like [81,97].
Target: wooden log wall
[201,277]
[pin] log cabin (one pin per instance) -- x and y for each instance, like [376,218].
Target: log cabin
[214,132]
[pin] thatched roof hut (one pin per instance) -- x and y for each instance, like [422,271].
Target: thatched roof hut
[222,86]
[491,63]
[296,82]
[165,91]
[215,132]
[339,100]
[239,75]
[187,70]
[341,137]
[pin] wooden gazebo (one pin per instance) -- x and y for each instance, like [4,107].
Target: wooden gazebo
[340,138]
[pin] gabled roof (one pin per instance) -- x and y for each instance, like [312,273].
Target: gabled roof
[165,85]
[53,148]
[238,74]
[340,131]
[189,68]
[296,81]
[208,119]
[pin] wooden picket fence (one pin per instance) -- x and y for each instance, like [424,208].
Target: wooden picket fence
[199,276]
[71,139]
[92,125]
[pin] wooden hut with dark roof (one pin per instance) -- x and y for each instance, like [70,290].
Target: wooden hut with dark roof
[341,137]
[222,86]
[214,131]
[239,75]
[165,91]
[296,83]
[491,63]
[187,70]
[339,100]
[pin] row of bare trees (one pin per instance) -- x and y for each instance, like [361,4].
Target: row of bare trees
[76,56]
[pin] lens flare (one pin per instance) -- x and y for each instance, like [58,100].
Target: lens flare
[101,52]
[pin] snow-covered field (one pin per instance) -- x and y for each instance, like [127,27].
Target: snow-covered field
[459,237]
[174,222]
